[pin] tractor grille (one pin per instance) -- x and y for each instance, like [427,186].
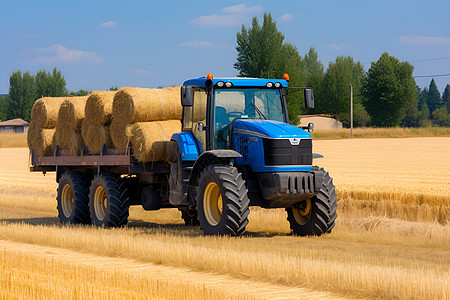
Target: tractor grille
[280,152]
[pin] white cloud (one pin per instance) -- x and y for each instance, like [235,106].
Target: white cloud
[60,54]
[242,9]
[196,43]
[141,71]
[286,17]
[220,20]
[333,46]
[108,24]
[424,40]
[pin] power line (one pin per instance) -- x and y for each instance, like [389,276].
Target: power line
[438,75]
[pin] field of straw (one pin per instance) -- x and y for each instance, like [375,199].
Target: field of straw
[391,240]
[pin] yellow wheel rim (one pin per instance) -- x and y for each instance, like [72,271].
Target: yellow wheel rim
[100,203]
[67,201]
[212,204]
[302,216]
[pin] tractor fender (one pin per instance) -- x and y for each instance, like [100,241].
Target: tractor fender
[208,158]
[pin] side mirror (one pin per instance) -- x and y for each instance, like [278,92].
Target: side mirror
[309,98]
[187,96]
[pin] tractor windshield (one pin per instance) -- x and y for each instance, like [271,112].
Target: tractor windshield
[234,103]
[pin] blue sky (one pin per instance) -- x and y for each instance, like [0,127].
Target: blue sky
[98,44]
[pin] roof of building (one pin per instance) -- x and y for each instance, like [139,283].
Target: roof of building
[14,122]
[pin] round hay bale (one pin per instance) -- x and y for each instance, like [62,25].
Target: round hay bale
[120,133]
[151,140]
[40,140]
[71,113]
[99,107]
[133,105]
[44,113]
[69,140]
[95,136]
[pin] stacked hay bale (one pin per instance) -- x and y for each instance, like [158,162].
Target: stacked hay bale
[44,115]
[147,118]
[68,125]
[98,116]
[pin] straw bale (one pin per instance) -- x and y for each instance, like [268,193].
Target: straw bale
[45,111]
[40,139]
[120,133]
[99,107]
[151,140]
[71,113]
[133,105]
[68,139]
[95,136]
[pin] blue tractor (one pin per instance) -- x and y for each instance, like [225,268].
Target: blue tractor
[237,149]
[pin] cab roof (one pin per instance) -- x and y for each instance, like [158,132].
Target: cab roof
[237,81]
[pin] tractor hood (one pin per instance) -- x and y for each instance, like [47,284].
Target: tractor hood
[269,129]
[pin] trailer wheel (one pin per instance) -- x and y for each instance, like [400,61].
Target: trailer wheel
[108,201]
[72,198]
[317,215]
[190,218]
[222,201]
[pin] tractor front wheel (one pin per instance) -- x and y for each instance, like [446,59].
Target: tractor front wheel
[316,215]
[222,201]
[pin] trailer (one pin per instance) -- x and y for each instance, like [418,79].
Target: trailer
[236,150]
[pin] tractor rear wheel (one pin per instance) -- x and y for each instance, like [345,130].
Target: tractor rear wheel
[316,215]
[222,201]
[108,201]
[72,198]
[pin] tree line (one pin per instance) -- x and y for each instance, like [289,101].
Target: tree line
[25,89]
[384,96]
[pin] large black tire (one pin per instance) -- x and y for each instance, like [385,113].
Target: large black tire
[318,215]
[72,198]
[190,218]
[108,201]
[222,201]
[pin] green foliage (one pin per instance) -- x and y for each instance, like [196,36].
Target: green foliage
[21,97]
[423,95]
[315,73]
[441,117]
[3,107]
[50,84]
[446,97]
[79,93]
[434,97]
[388,89]
[335,91]
[113,88]
[262,53]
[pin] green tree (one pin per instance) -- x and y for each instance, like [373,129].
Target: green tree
[315,73]
[388,89]
[423,95]
[446,97]
[114,88]
[434,97]
[335,91]
[3,107]
[441,117]
[79,93]
[262,53]
[50,84]
[412,116]
[21,97]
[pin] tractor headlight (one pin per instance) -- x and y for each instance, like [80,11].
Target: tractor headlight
[269,84]
[310,127]
[277,84]
[220,83]
[228,84]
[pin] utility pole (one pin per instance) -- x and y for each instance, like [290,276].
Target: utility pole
[351,109]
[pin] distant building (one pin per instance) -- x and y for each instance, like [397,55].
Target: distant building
[321,122]
[14,125]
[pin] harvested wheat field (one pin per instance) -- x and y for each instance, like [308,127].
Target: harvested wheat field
[391,240]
